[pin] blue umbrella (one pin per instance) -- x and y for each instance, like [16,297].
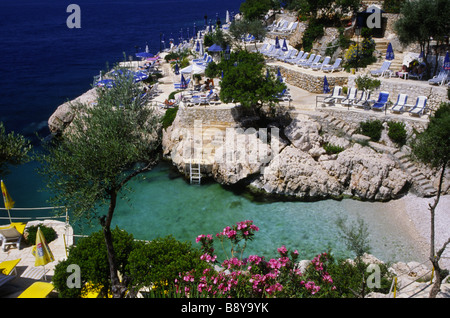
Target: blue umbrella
[326,87]
[144,54]
[197,48]
[106,83]
[277,43]
[389,52]
[285,48]
[177,69]
[446,65]
[183,82]
[222,74]
[215,48]
[280,78]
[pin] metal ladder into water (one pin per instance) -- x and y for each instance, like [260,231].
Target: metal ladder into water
[195,175]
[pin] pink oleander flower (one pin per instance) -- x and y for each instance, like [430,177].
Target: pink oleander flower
[327,278]
[282,250]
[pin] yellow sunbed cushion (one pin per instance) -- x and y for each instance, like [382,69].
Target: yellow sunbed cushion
[37,290]
[19,226]
[7,267]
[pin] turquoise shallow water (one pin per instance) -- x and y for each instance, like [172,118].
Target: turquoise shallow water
[160,203]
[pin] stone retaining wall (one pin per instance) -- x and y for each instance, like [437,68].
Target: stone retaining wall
[208,115]
[311,82]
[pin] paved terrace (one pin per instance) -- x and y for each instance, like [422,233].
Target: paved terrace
[26,272]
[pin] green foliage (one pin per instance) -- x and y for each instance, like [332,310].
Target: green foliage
[332,149]
[372,129]
[98,153]
[360,55]
[356,236]
[255,9]
[432,146]
[169,117]
[365,82]
[239,29]
[397,132]
[90,255]
[48,232]
[159,262]
[14,149]
[392,6]
[245,81]
[314,31]
[212,70]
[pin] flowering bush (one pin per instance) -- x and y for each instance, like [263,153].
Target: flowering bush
[254,276]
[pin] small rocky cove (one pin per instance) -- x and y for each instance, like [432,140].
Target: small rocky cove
[295,163]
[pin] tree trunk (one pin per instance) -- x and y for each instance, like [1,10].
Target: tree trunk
[118,290]
[435,257]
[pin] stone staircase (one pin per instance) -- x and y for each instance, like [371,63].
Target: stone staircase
[422,185]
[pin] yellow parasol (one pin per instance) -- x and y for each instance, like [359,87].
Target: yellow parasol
[41,251]
[9,203]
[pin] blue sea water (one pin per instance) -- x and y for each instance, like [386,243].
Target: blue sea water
[44,63]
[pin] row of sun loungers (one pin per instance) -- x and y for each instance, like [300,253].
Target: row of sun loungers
[364,101]
[302,59]
[283,26]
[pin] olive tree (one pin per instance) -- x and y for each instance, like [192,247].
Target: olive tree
[14,149]
[106,146]
[432,147]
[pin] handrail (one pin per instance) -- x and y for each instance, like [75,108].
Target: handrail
[393,290]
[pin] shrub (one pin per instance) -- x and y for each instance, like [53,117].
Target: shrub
[371,129]
[397,132]
[365,82]
[312,32]
[48,232]
[332,149]
[169,117]
[159,262]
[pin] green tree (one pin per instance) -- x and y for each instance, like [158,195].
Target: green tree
[240,28]
[105,147]
[245,82]
[432,147]
[255,9]
[14,149]
[90,254]
[423,21]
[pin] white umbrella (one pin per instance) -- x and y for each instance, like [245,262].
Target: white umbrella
[227,19]
[193,69]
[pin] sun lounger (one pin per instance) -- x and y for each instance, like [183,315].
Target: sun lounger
[318,66]
[295,58]
[439,79]
[351,97]
[399,106]
[7,267]
[314,61]
[288,55]
[309,60]
[335,96]
[12,235]
[37,290]
[382,70]
[380,104]
[335,67]
[363,101]
[419,108]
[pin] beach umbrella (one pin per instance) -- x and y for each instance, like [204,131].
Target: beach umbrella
[193,69]
[389,52]
[197,46]
[9,203]
[284,48]
[280,78]
[109,83]
[446,65]
[177,69]
[215,48]
[277,43]
[144,54]
[326,87]
[42,253]
[227,18]
[183,82]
